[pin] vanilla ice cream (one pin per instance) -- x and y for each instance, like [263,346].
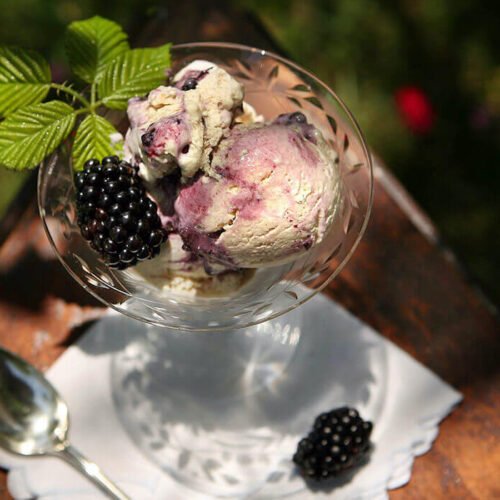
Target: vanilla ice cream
[275,197]
[179,126]
[166,133]
[236,194]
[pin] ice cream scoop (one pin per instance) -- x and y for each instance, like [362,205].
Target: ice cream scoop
[220,97]
[166,133]
[234,193]
[178,269]
[179,126]
[276,193]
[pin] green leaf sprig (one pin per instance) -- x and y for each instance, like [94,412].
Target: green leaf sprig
[108,73]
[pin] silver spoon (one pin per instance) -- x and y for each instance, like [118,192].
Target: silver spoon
[34,420]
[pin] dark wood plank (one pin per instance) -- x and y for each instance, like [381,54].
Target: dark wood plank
[412,289]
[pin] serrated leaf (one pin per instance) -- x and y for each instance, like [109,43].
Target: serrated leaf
[93,43]
[30,134]
[94,140]
[24,78]
[132,74]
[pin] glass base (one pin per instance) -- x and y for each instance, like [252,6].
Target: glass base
[223,412]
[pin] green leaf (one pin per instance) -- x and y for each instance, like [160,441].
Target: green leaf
[93,43]
[93,140]
[132,74]
[24,78]
[30,134]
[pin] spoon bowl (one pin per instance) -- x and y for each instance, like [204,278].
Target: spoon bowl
[33,417]
[34,420]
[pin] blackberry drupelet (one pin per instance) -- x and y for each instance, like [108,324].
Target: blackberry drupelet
[338,441]
[114,213]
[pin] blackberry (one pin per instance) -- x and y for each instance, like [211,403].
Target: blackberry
[114,213]
[148,138]
[338,441]
[190,84]
[291,118]
[297,117]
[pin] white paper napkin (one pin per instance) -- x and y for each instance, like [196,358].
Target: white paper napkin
[149,408]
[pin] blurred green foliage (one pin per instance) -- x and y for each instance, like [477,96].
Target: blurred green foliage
[367,50]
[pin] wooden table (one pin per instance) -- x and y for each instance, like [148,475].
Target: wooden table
[401,280]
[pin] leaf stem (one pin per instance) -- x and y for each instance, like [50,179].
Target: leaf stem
[81,111]
[91,108]
[92,94]
[71,92]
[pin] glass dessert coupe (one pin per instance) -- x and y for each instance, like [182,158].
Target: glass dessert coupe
[217,377]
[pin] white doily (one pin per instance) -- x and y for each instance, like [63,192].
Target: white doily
[108,381]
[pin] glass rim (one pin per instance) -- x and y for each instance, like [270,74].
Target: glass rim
[312,292]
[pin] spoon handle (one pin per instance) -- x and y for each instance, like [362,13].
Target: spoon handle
[89,469]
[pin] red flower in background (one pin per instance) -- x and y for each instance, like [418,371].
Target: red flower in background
[415,108]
